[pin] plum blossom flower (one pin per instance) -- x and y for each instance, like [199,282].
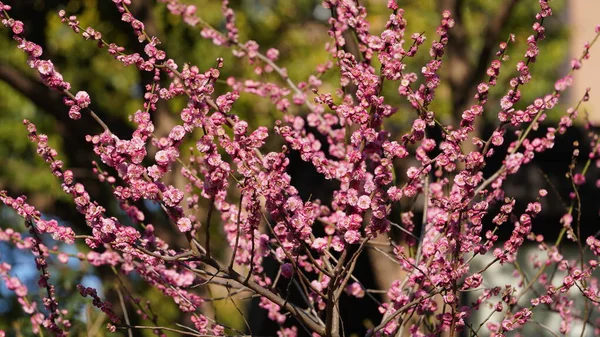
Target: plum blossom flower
[82,99]
[364,202]
[184,224]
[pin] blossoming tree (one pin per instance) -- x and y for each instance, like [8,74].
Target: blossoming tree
[246,189]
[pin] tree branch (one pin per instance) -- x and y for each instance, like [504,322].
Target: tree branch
[293,309]
[465,88]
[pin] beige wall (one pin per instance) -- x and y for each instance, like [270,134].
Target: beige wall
[583,17]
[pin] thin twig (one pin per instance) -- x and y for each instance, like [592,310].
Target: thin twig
[125,314]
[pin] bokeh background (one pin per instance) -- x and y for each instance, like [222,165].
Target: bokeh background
[299,30]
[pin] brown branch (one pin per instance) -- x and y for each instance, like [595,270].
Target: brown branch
[293,309]
[465,89]
[332,315]
[465,73]
[33,89]
[51,102]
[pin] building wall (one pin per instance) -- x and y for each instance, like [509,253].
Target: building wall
[583,17]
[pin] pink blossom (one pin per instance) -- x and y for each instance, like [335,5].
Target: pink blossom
[184,224]
[579,179]
[45,67]
[352,236]
[513,162]
[83,99]
[287,270]
[364,202]
[63,258]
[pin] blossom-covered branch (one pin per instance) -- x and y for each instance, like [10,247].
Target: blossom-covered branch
[243,183]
